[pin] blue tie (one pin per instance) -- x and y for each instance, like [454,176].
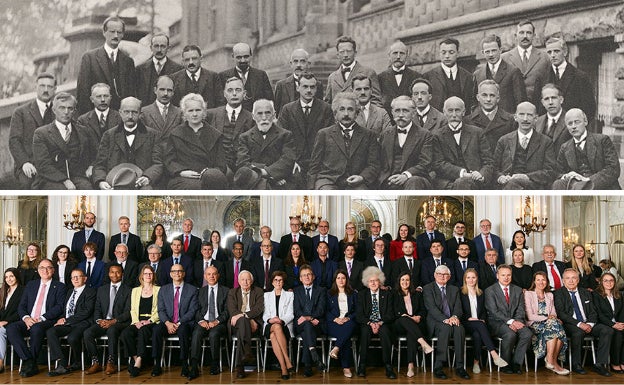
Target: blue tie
[577,309]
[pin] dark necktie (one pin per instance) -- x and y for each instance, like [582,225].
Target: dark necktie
[176,305]
[129,133]
[507,295]
[308,289]
[463,265]
[579,145]
[124,238]
[194,78]
[345,72]
[102,123]
[88,270]
[525,61]
[410,264]
[111,302]
[445,305]
[112,57]
[430,237]
[72,305]
[400,72]
[577,309]
[164,113]
[306,110]
[375,315]
[346,134]
[421,119]
[158,67]
[48,115]
[176,261]
[266,275]
[402,131]
[381,264]
[233,117]
[493,269]
[557,76]
[212,311]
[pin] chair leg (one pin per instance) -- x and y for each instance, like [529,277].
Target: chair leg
[233,355]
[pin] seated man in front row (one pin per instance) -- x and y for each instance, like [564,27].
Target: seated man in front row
[266,153]
[588,161]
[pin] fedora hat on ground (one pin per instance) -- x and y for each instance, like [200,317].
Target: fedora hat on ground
[124,176]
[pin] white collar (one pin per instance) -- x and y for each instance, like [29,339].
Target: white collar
[528,136]
[562,67]
[229,110]
[408,128]
[494,67]
[583,137]
[425,111]
[161,106]
[303,104]
[197,74]
[446,69]
[556,117]
[110,49]
[528,50]
[161,61]
[350,67]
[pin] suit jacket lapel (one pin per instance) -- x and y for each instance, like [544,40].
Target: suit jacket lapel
[356,138]
[336,135]
[290,87]
[56,137]
[533,59]
[408,147]
[34,111]
[105,65]
[592,151]
[567,78]
[120,140]
[534,145]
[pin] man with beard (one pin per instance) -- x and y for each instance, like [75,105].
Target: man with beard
[266,153]
[396,80]
[130,142]
[427,116]
[524,158]
[287,90]
[372,117]
[158,65]
[107,64]
[494,121]
[407,150]
[24,121]
[162,115]
[195,78]
[552,123]
[102,117]
[345,155]
[256,81]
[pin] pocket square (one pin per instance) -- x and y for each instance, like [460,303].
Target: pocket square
[587,301]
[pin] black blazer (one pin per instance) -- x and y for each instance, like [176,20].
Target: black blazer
[605,313]
[304,241]
[335,251]
[587,281]
[135,247]
[451,249]
[228,267]
[257,85]
[9,313]
[194,249]
[165,250]
[198,271]
[423,244]
[418,306]
[399,266]
[258,271]
[481,311]
[121,305]
[360,251]
[315,307]
[83,313]
[130,273]
[428,268]
[387,268]
[486,276]
[365,306]
[565,309]
[457,271]
[357,267]
[221,303]
[79,240]
[208,86]
[67,275]
[541,266]
[185,261]
[370,250]
[147,78]
[333,310]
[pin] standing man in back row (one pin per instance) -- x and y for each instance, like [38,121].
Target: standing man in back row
[156,66]
[287,90]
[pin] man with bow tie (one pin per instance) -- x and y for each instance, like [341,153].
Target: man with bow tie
[130,142]
[406,151]
[524,158]
[464,160]
[287,90]
[156,66]
[397,79]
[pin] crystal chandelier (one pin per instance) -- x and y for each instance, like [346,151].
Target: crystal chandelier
[530,219]
[437,208]
[14,236]
[306,213]
[168,212]
[73,219]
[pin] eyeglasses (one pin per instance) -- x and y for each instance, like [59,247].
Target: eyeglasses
[444,274]
[42,268]
[177,271]
[306,274]
[148,273]
[77,277]
[278,280]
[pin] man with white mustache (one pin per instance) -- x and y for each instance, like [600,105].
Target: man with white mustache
[286,90]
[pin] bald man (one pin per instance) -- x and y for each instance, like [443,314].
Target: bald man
[524,158]
[162,115]
[464,156]
[256,81]
[286,90]
[129,142]
[397,79]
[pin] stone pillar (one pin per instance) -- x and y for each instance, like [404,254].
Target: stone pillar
[617,120]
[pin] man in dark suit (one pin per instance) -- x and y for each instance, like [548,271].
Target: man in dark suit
[266,153]
[371,116]
[449,79]
[162,115]
[295,236]
[494,121]
[427,116]
[462,263]
[178,258]
[375,234]
[524,158]
[211,321]
[375,315]
[554,269]
[177,305]
[154,254]
[508,77]
[332,242]
[130,142]
[430,263]
[256,81]
[309,311]
[191,244]
[488,269]
[264,267]
[92,267]
[135,246]
[110,319]
[130,267]
[33,321]
[341,80]
[352,266]
[587,160]
[101,118]
[287,90]
[406,151]
[576,89]
[235,265]
[107,64]
[459,236]
[194,78]
[486,240]
[241,236]
[323,267]
[24,121]
[245,306]
[156,66]
[423,240]
[77,317]
[464,160]
[552,123]
[200,266]
[532,61]
[575,309]
[256,250]
[88,234]
[408,262]
[304,117]
[62,151]
[397,79]
[444,314]
[504,303]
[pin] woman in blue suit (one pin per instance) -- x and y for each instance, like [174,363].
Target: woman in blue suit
[341,300]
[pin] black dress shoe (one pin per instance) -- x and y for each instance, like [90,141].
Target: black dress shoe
[156,371]
[517,368]
[307,372]
[185,371]
[240,371]
[361,371]
[193,372]
[462,373]
[390,372]
[439,373]
[618,371]
[291,370]
[578,369]
[508,369]
[214,370]
[32,371]
[600,369]
[285,377]
[134,371]
[59,371]
[2,370]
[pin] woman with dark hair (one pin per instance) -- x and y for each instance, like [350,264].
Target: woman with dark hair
[396,246]
[64,262]
[609,305]
[28,267]
[410,313]
[588,272]
[549,338]
[518,241]
[278,321]
[340,318]
[521,273]
[351,237]
[159,238]
[474,316]
[10,296]
[218,253]
[294,260]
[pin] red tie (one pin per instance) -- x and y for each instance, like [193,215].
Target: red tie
[488,245]
[294,237]
[556,278]
[176,305]
[506,295]
[236,270]
[39,304]
[186,243]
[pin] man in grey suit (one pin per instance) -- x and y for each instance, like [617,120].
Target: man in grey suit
[102,118]
[341,80]
[287,90]
[427,116]
[494,121]
[240,236]
[464,157]
[194,78]
[177,304]
[525,158]
[552,123]
[162,115]
[156,66]
[504,303]
[24,121]
[587,161]
[371,116]
[444,314]
[398,78]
